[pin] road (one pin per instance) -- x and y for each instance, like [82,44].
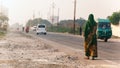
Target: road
[107,51]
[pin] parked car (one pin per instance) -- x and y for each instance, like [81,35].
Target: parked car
[104,30]
[41,29]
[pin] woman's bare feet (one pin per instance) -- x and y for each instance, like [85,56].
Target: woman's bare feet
[86,58]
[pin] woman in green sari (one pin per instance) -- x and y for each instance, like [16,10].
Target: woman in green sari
[90,43]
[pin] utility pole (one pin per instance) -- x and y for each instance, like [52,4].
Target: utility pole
[53,6]
[74,16]
[52,17]
[58,15]
[39,14]
[33,15]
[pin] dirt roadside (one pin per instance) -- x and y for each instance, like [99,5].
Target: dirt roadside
[19,50]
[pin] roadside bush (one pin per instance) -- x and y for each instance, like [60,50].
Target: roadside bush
[63,30]
[58,29]
[2,33]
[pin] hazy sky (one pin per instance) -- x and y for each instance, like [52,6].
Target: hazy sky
[22,10]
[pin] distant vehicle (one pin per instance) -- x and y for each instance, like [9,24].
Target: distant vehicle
[104,30]
[41,29]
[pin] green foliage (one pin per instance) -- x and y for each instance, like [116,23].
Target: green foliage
[66,26]
[59,29]
[81,21]
[114,18]
[3,18]
[2,33]
[4,22]
[63,30]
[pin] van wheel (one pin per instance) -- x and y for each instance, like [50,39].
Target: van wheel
[37,33]
[45,33]
[105,39]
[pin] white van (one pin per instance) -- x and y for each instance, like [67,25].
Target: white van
[41,29]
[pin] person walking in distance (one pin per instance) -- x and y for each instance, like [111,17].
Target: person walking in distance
[23,29]
[80,30]
[90,39]
[27,29]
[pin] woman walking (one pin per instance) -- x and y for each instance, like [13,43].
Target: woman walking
[27,29]
[90,43]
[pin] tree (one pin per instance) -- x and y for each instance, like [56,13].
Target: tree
[69,23]
[4,22]
[114,18]
[29,22]
[36,21]
[4,18]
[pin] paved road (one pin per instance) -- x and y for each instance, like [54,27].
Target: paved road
[108,51]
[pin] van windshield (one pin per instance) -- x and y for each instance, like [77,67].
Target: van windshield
[41,26]
[104,25]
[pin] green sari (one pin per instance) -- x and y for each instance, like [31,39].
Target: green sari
[90,44]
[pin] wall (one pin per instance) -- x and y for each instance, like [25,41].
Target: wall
[116,30]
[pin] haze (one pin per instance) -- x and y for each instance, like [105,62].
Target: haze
[20,11]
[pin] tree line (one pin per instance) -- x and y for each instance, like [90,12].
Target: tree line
[115,18]
[67,25]
[62,26]
[3,22]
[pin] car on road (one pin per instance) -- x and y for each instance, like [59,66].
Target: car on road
[41,29]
